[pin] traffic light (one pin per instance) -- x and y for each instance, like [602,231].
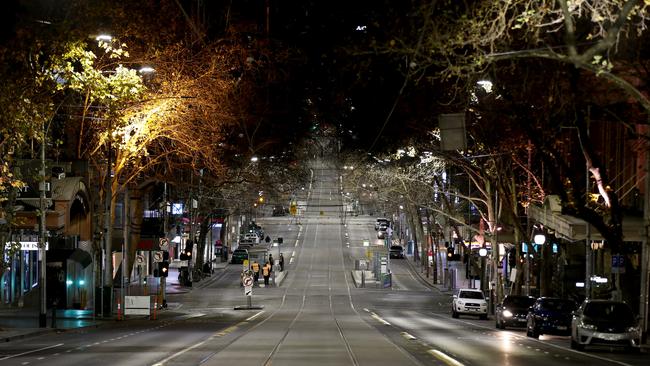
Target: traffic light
[163,268]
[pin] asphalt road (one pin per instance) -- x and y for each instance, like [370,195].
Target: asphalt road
[316,317]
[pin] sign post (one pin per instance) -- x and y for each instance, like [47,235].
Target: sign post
[247,282]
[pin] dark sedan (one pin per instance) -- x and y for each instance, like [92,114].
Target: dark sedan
[396,251]
[550,315]
[512,311]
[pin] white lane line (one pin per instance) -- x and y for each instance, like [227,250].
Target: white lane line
[254,316]
[444,358]
[296,243]
[379,319]
[293,253]
[180,353]
[408,336]
[291,260]
[32,351]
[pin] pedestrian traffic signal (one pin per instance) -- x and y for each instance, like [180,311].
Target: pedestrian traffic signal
[163,268]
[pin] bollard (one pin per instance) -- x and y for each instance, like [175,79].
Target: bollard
[54,304]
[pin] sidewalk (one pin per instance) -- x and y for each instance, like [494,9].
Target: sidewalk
[18,323]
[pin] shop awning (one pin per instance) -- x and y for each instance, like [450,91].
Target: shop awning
[574,229]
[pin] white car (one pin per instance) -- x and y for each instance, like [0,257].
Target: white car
[251,238]
[469,301]
[605,323]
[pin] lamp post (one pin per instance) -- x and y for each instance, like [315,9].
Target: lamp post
[42,242]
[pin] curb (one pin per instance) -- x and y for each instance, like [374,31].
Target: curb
[27,334]
[438,287]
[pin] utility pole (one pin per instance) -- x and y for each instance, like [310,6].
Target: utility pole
[42,242]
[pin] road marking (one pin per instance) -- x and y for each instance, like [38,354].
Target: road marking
[408,336]
[254,316]
[296,243]
[28,352]
[379,319]
[227,331]
[444,358]
[180,353]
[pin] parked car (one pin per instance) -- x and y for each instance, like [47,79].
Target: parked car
[239,256]
[381,233]
[396,251]
[605,323]
[549,315]
[380,221]
[253,238]
[469,302]
[512,312]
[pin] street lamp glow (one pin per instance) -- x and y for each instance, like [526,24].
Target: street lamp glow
[104,37]
[146,69]
[486,85]
[539,239]
[482,252]
[254,159]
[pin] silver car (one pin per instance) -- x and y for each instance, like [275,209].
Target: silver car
[605,323]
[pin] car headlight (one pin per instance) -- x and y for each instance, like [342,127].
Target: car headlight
[507,313]
[460,303]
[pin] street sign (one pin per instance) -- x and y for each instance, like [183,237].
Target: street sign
[248,281]
[164,243]
[157,256]
[139,259]
[248,290]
